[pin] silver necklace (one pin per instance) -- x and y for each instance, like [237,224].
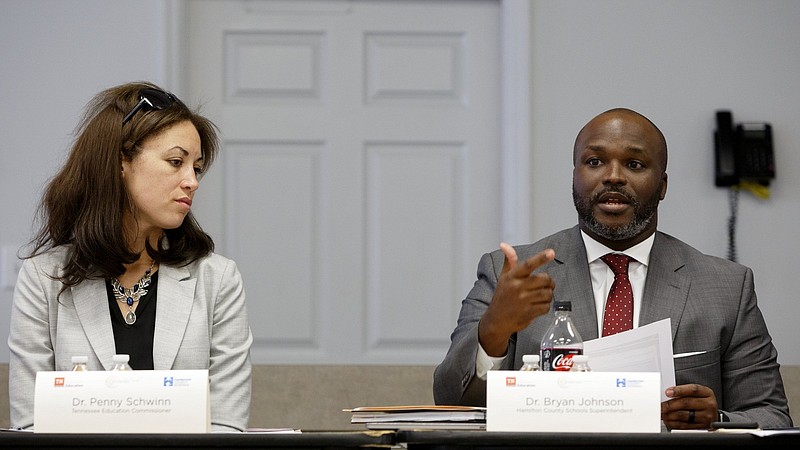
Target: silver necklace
[132,295]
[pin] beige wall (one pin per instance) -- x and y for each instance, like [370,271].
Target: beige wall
[313,397]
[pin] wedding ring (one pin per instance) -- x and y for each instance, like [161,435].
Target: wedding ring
[691,416]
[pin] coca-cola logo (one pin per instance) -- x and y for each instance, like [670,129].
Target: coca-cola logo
[562,362]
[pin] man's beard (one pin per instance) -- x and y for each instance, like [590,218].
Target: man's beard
[643,214]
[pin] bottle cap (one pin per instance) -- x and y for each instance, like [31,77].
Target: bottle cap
[530,358]
[80,359]
[121,358]
[562,306]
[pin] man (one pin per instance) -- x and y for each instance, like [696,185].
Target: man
[619,178]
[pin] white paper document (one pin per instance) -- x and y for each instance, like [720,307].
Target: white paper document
[644,349]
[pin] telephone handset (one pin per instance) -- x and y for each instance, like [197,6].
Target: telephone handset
[742,152]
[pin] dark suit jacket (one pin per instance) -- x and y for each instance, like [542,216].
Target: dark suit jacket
[711,303]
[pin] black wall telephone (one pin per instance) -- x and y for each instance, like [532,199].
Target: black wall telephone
[743,152]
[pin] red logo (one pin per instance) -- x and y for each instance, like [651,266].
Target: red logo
[59,381]
[511,381]
[562,362]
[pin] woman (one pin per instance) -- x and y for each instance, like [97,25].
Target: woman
[119,264]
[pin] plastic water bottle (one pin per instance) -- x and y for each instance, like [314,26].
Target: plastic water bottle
[580,363]
[121,362]
[530,363]
[562,341]
[79,363]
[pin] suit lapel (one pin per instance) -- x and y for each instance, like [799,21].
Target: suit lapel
[91,304]
[173,308]
[666,290]
[574,283]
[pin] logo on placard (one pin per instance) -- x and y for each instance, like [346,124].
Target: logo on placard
[511,381]
[622,382]
[58,381]
[168,381]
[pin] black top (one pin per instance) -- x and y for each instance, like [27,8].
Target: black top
[135,340]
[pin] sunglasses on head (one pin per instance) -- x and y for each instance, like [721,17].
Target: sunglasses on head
[150,99]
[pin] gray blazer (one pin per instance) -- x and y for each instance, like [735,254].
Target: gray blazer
[201,323]
[711,303]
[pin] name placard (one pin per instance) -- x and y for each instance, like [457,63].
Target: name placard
[136,401]
[605,402]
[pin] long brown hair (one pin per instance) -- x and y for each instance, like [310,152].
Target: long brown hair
[84,204]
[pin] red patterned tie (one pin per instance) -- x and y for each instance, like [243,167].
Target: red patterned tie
[618,315]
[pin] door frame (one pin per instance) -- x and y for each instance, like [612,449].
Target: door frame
[515,122]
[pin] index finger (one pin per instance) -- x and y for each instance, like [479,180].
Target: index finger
[534,262]
[511,257]
[688,390]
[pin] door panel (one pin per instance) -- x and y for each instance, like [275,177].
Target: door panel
[360,177]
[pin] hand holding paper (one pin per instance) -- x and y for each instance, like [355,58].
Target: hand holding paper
[644,349]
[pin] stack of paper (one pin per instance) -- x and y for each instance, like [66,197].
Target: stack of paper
[420,417]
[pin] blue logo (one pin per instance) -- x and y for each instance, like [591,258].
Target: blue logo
[168,381]
[621,382]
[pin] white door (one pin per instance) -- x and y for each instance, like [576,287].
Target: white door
[360,176]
